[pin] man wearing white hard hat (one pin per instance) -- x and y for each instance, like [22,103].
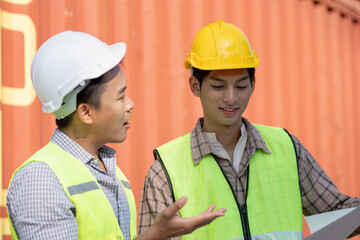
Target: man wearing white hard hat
[72,188]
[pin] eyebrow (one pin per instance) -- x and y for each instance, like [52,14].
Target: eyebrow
[122,90]
[222,80]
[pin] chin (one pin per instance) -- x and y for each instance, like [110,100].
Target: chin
[230,123]
[118,140]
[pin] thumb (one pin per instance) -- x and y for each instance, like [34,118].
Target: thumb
[175,207]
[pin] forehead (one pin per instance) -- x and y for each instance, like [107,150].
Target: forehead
[229,74]
[115,78]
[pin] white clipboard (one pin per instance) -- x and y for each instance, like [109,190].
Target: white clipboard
[335,225]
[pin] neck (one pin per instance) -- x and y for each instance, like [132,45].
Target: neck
[228,136]
[82,138]
[229,139]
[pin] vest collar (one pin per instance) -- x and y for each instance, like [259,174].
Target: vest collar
[200,147]
[255,140]
[72,147]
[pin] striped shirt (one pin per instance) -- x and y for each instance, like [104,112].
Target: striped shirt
[39,207]
[318,193]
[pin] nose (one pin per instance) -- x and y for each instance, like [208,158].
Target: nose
[229,96]
[129,104]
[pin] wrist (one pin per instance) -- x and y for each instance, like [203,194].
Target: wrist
[149,234]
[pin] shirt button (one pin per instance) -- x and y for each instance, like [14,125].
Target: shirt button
[96,161]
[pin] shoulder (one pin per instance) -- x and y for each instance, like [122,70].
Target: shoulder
[33,178]
[34,171]
[156,174]
[156,179]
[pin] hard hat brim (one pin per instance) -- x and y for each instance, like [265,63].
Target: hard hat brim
[119,51]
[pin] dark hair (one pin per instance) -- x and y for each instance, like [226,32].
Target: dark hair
[200,74]
[90,94]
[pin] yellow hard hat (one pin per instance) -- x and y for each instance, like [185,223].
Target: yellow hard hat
[221,45]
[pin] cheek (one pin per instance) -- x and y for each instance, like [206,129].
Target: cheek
[244,101]
[207,103]
[210,97]
[246,96]
[114,114]
[121,113]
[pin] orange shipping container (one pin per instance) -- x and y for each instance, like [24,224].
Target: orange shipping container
[307,79]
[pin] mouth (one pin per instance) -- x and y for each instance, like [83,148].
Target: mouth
[228,109]
[126,124]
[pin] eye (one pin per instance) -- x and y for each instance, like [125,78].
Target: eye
[217,86]
[242,87]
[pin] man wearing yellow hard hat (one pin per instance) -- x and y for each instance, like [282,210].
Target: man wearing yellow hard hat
[263,175]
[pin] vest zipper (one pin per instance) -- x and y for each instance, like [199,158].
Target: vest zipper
[242,209]
[245,222]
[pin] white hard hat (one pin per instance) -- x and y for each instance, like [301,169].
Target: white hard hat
[65,63]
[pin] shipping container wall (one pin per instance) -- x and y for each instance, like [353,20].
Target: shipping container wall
[307,80]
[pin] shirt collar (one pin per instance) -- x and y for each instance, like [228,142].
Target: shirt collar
[255,140]
[200,147]
[72,147]
[220,151]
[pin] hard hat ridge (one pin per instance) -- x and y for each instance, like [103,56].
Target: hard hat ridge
[64,63]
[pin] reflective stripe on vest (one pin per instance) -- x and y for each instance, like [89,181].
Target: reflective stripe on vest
[273,202]
[276,236]
[94,214]
[83,188]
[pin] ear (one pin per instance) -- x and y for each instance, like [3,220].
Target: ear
[253,85]
[194,86]
[84,113]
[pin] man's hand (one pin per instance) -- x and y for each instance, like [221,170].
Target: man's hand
[169,224]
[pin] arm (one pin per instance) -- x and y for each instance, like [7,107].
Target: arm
[38,205]
[318,192]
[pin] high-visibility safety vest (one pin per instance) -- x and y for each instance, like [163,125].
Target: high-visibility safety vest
[94,214]
[273,206]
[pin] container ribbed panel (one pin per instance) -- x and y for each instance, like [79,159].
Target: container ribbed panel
[307,80]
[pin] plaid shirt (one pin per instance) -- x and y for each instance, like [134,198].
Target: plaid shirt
[39,207]
[318,192]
